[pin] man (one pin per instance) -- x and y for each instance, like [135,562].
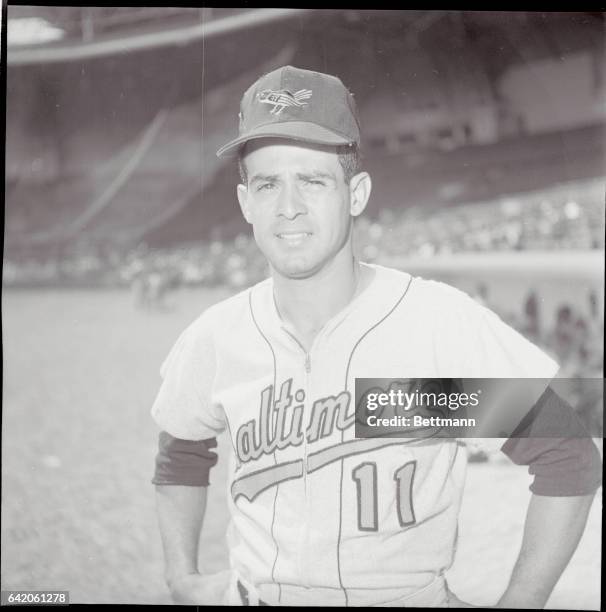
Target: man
[316,521]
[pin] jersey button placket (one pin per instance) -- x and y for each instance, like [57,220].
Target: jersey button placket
[308,400]
[311,366]
[306,365]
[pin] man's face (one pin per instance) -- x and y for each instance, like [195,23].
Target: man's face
[298,204]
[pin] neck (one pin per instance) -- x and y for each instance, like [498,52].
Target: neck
[306,304]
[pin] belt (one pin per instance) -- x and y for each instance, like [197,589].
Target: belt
[243,591]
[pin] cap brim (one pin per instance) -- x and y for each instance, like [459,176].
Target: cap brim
[291,130]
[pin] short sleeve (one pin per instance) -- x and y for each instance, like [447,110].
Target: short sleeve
[561,466]
[184,462]
[184,406]
[489,348]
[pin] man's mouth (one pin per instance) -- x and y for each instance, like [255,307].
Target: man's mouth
[293,236]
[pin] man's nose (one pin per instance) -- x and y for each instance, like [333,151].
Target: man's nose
[290,203]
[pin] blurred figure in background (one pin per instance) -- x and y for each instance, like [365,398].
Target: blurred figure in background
[151,283]
[531,326]
[593,347]
[481,294]
[560,341]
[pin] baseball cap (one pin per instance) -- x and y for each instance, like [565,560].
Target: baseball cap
[297,104]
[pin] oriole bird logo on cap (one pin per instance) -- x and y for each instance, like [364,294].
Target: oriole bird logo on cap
[283,98]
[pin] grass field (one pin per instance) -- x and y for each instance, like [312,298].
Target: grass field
[80,374]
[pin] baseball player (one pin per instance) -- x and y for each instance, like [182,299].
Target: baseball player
[318,516]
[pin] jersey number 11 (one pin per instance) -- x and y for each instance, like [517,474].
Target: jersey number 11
[365,477]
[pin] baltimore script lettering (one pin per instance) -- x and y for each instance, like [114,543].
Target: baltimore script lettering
[255,438]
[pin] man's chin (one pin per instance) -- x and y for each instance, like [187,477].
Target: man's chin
[295,270]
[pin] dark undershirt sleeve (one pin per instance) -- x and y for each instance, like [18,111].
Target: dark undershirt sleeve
[562,466]
[184,462]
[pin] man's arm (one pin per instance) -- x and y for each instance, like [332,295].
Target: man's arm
[180,516]
[552,531]
[181,479]
[567,472]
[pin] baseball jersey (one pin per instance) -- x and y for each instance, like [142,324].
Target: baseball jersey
[317,515]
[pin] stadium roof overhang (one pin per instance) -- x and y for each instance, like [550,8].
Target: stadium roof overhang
[500,38]
[49,40]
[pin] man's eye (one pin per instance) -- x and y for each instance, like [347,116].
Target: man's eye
[265,187]
[314,182]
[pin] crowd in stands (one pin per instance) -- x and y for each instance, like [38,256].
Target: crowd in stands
[534,222]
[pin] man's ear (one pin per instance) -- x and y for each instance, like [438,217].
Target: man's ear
[242,191]
[359,191]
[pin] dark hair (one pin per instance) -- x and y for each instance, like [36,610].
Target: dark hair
[349,158]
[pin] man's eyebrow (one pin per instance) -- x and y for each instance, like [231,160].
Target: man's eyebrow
[316,174]
[264,177]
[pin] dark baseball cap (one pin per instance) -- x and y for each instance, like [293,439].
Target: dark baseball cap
[297,104]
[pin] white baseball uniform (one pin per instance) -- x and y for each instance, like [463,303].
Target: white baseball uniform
[319,517]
